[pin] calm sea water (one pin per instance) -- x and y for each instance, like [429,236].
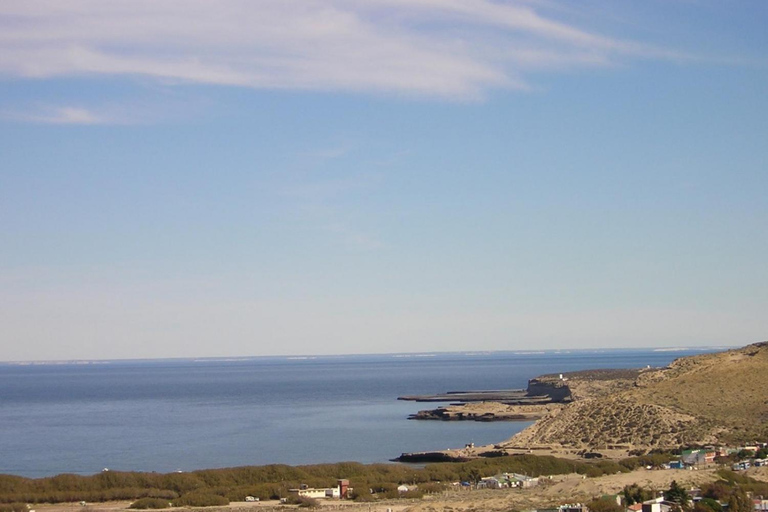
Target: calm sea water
[170,415]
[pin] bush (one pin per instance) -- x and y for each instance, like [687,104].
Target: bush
[364,497]
[145,503]
[199,499]
[14,507]
[305,502]
[636,494]
[218,486]
[708,505]
[432,488]
[652,459]
[719,490]
[731,481]
[412,494]
[604,505]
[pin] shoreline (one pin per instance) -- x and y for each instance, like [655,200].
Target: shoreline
[412,438]
[486,411]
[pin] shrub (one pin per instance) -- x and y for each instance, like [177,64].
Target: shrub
[273,481]
[432,487]
[652,459]
[604,505]
[723,489]
[364,497]
[707,505]
[14,507]
[199,499]
[740,502]
[305,502]
[145,503]
[719,490]
[636,494]
[412,494]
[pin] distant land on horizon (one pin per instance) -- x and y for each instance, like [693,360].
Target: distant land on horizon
[212,359]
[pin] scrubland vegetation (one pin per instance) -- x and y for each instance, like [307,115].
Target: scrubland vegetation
[217,486]
[371,482]
[150,503]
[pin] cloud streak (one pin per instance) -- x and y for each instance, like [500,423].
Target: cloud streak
[446,49]
[67,115]
[70,114]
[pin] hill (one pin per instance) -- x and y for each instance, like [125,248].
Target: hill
[710,398]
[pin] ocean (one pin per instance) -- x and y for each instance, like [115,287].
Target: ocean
[182,415]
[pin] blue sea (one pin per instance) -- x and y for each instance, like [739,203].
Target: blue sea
[170,415]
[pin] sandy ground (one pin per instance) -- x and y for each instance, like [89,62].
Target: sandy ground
[261,506]
[760,473]
[563,489]
[555,490]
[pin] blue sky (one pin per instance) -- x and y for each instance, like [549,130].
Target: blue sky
[235,178]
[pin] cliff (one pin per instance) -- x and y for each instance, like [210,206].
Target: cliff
[542,396]
[545,389]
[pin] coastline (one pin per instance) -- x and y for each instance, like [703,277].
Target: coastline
[151,413]
[486,411]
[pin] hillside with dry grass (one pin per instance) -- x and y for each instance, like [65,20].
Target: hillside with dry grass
[720,397]
[727,391]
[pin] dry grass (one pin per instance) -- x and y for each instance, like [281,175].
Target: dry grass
[727,392]
[710,398]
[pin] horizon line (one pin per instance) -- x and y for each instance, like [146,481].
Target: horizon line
[86,361]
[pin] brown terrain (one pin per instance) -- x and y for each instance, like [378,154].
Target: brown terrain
[705,399]
[710,398]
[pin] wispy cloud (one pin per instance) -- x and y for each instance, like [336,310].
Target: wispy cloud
[68,115]
[456,49]
[71,115]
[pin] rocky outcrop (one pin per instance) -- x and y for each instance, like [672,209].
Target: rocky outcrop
[554,388]
[542,390]
[424,457]
[486,411]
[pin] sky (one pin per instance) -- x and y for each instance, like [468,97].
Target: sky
[188,178]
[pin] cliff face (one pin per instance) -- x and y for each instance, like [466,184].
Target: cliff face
[720,397]
[543,390]
[554,388]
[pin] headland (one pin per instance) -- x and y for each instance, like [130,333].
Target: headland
[709,399]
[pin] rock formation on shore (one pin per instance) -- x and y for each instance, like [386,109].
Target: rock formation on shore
[486,411]
[542,396]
